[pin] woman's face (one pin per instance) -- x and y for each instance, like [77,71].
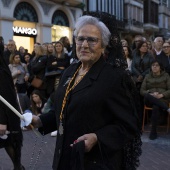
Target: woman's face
[27,58]
[155,67]
[50,48]
[36,98]
[143,48]
[89,44]
[149,45]
[126,51]
[17,59]
[58,48]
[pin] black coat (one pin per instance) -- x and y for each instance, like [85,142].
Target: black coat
[165,61]
[7,117]
[98,104]
[37,68]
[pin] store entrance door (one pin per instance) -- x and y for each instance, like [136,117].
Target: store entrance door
[26,42]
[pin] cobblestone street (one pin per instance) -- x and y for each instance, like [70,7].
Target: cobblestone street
[155,156]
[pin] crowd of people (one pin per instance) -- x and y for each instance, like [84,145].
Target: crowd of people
[81,93]
[149,65]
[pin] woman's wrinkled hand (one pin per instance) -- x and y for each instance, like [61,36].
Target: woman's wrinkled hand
[89,139]
[3,129]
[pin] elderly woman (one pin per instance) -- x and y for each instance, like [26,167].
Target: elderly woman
[156,91]
[93,114]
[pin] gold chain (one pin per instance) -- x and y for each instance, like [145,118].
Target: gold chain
[69,89]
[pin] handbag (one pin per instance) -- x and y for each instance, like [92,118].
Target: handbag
[36,82]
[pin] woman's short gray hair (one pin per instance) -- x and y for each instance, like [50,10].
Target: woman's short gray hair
[89,20]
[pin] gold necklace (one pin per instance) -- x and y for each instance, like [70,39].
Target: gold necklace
[68,90]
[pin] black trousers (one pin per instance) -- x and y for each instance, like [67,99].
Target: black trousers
[157,106]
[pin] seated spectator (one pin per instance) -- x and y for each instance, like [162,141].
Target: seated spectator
[37,102]
[128,55]
[164,58]
[19,73]
[156,91]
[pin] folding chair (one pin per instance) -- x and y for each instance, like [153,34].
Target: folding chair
[145,114]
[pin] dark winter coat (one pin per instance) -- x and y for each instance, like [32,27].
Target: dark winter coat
[37,68]
[98,104]
[159,83]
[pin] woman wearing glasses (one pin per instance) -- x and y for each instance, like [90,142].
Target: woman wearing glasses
[165,57]
[93,114]
[156,91]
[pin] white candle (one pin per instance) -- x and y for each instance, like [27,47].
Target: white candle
[11,107]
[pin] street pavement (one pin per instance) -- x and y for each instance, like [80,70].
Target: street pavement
[155,154]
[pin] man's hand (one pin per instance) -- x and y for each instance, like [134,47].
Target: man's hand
[89,139]
[3,129]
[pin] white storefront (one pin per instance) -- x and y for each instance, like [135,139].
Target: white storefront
[31,21]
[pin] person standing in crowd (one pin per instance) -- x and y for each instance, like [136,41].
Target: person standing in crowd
[88,103]
[67,45]
[11,49]
[50,79]
[137,40]
[128,55]
[141,63]
[19,73]
[27,59]
[149,45]
[156,91]
[37,69]
[22,54]
[124,42]
[164,58]
[33,52]
[8,120]
[56,65]
[45,47]
[157,50]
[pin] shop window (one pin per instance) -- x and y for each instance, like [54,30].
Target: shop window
[60,18]
[25,12]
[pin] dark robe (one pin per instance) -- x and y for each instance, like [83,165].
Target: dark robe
[7,117]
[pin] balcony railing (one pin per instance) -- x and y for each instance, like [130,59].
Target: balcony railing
[133,22]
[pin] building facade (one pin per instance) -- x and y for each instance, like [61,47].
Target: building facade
[114,7]
[30,21]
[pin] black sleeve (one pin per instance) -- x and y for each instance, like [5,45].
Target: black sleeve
[49,122]
[39,65]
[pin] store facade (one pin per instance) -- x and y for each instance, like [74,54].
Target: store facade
[31,21]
